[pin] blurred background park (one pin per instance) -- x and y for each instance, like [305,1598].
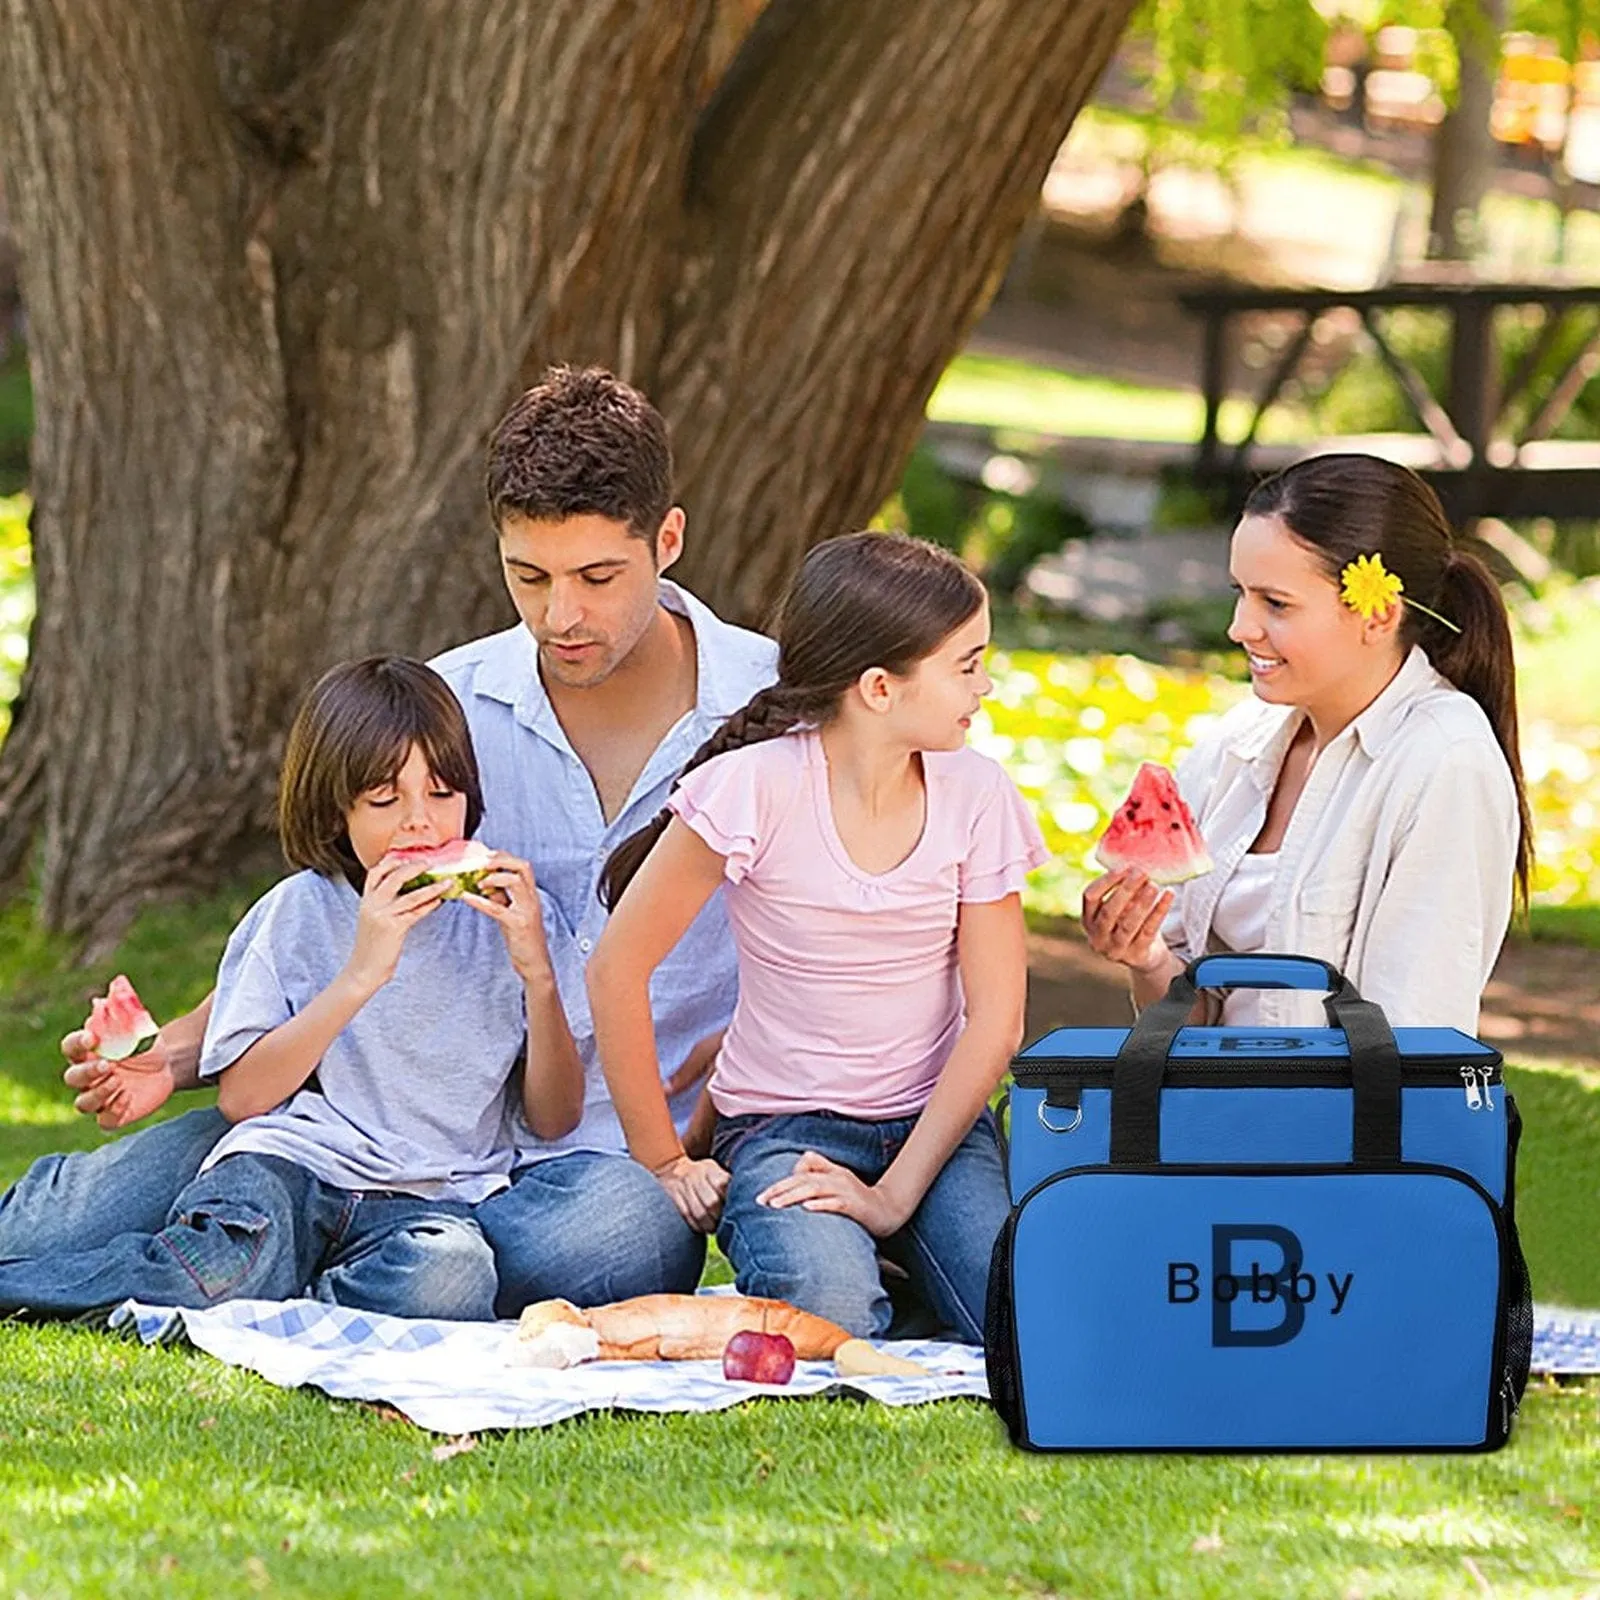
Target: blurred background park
[1275,226]
[1285,148]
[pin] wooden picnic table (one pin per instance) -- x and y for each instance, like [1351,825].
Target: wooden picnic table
[1466,448]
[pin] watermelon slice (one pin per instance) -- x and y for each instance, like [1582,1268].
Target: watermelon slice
[119,1024]
[460,862]
[1154,831]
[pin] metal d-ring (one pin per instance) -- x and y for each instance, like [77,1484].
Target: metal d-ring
[1050,1127]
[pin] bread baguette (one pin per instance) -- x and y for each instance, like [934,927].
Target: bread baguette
[855,1358]
[685,1327]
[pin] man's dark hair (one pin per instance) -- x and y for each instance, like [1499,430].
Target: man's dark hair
[581,443]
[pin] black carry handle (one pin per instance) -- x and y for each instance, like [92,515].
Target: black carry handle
[1141,1063]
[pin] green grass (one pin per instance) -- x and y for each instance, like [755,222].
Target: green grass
[126,1471]
[1566,925]
[1000,392]
[130,1472]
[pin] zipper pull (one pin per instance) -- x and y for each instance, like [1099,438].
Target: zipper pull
[1469,1076]
[1488,1099]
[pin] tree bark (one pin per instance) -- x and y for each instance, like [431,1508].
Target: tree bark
[1464,149]
[277,305]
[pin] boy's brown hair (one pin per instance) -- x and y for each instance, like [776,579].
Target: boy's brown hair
[352,733]
[581,443]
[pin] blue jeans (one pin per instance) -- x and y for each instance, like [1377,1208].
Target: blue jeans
[591,1229]
[828,1264]
[86,1198]
[259,1227]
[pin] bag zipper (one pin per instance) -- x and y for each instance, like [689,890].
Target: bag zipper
[1058,1075]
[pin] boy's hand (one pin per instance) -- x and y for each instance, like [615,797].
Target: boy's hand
[116,1093]
[696,1188]
[512,899]
[385,918]
[819,1184]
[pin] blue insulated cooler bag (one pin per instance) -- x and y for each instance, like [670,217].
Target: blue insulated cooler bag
[1246,1239]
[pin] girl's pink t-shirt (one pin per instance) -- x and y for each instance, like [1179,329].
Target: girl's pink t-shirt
[849,992]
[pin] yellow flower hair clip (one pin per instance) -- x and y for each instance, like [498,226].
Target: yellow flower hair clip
[1369,589]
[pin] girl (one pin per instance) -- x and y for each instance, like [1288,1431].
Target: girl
[1367,805]
[362,1038]
[873,865]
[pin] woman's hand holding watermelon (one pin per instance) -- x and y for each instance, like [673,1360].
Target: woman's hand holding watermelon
[1122,916]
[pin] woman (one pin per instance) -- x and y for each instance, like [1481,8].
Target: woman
[1366,805]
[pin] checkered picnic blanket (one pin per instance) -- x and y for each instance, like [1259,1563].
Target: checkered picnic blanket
[455,1378]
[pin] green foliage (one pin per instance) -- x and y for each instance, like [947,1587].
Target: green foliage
[16,421]
[1229,65]
[1072,732]
[16,600]
[999,535]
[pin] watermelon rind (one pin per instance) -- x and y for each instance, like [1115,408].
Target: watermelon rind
[458,883]
[112,1049]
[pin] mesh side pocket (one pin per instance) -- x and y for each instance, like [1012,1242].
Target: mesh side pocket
[999,1335]
[1519,1291]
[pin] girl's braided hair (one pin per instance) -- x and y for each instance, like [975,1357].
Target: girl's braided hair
[860,601]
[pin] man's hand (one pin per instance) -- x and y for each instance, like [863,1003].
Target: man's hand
[116,1093]
[696,1188]
[819,1184]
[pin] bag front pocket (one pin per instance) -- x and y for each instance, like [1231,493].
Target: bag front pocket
[1267,1308]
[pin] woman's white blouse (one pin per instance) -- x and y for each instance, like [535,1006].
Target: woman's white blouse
[1396,865]
[1240,923]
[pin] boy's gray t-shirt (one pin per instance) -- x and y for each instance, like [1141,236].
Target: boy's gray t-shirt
[412,1094]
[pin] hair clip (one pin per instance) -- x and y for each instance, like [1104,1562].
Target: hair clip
[1370,589]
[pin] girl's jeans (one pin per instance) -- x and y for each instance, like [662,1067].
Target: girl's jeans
[827,1264]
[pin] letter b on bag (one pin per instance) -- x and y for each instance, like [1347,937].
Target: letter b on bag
[1255,1277]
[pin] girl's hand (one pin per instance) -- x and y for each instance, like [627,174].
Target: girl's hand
[1122,916]
[385,918]
[696,1188]
[512,899]
[819,1184]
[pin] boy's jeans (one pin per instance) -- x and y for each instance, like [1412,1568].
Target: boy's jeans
[584,1227]
[259,1227]
[827,1264]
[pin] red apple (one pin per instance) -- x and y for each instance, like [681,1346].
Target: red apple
[758,1357]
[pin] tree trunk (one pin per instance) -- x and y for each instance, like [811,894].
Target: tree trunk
[1464,150]
[276,306]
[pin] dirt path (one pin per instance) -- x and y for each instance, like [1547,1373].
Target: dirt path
[1543,1000]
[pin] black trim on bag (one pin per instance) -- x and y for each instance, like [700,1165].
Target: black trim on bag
[1067,1075]
[1500,1406]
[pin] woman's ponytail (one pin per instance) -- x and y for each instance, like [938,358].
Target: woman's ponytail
[766,715]
[1479,661]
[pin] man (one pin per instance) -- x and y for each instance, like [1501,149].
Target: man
[582,716]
